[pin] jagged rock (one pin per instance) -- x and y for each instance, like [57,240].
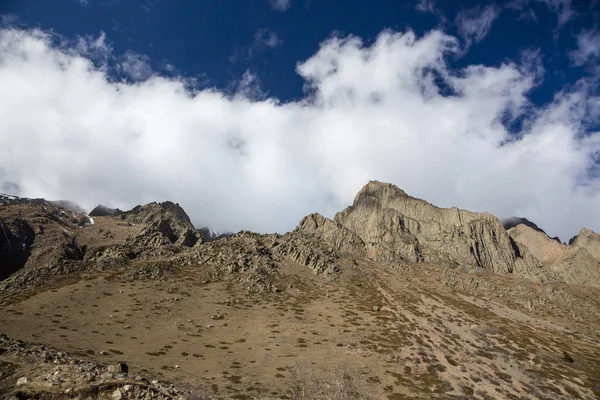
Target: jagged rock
[189,238]
[16,238]
[577,266]
[334,234]
[309,251]
[118,368]
[588,240]
[22,381]
[511,222]
[163,228]
[103,211]
[245,252]
[540,245]
[397,227]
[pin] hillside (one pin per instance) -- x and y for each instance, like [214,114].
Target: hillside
[393,298]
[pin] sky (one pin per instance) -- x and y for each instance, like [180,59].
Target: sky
[252,114]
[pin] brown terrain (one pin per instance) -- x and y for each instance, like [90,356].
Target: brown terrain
[392,299]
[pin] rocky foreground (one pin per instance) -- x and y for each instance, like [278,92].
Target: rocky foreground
[399,298]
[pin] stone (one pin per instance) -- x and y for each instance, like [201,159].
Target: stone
[118,368]
[376,308]
[117,395]
[22,381]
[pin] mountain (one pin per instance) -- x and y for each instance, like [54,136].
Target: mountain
[68,205]
[570,264]
[388,225]
[512,222]
[588,240]
[103,211]
[538,242]
[392,298]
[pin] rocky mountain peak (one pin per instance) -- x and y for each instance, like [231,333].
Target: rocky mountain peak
[376,191]
[386,224]
[544,248]
[104,211]
[379,195]
[589,240]
[155,212]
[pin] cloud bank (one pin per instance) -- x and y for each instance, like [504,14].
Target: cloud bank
[391,111]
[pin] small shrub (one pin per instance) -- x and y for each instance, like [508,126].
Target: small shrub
[339,384]
[567,357]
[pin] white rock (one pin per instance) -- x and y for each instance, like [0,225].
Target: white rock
[22,381]
[117,395]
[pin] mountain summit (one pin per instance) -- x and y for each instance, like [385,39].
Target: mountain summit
[395,227]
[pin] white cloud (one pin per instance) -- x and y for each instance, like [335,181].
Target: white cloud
[562,8]
[474,24]
[95,48]
[428,6]
[263,40]
[136,66]
[235,162]
[83,2]
[281,5]
[588,48]
[267,37]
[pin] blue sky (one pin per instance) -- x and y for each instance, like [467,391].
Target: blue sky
[217,41]
[512,85]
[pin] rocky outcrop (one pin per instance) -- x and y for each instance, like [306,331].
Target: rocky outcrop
[16,238]
[540,245]
[397,227]
[332,233]
[309,251]
[577,266]
[588,240]
[34,371]
[103,211]
[166,219]
[511,222]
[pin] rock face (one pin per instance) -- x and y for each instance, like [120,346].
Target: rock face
[167,220]
[332,233]
[540,245]
[394,226]
[16,238]
[103,211]
[577,266]
[588,240]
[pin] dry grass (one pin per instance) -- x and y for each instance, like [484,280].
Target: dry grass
[338,384]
